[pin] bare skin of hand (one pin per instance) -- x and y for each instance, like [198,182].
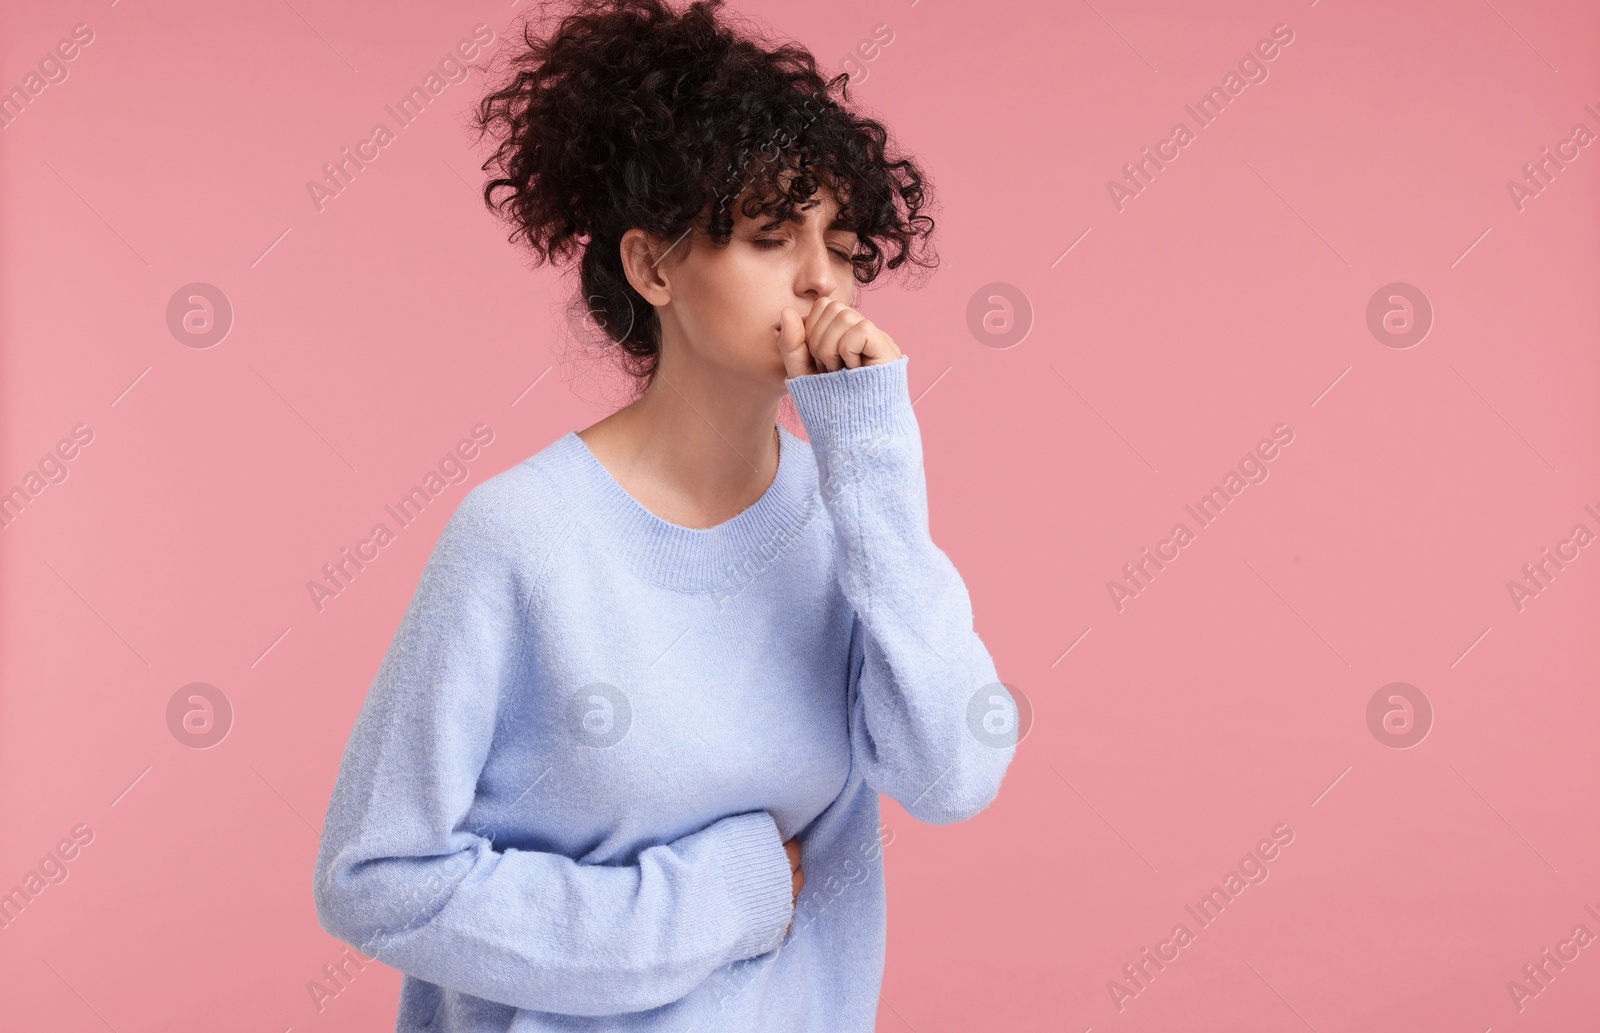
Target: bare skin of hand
[792,848]
[832,336]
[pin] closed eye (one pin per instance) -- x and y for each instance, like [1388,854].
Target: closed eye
[766,243]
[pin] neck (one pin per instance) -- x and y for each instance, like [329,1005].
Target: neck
[699,443]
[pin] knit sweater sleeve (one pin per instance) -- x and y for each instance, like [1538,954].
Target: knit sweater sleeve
[930,723]
[399,876]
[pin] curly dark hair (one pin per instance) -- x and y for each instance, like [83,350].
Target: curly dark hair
[629,114]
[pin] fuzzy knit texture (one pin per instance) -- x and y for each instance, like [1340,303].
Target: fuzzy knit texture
[564,800]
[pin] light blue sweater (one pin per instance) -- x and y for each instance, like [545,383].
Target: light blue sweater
[564,800]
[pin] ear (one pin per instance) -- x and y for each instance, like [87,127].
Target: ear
[640,253]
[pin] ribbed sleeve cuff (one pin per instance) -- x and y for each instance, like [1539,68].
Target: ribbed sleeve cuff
[852,405]
[756,869]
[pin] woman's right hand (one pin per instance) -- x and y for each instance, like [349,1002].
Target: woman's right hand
[791,847]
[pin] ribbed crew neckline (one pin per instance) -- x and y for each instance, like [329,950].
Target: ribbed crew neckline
[687,558]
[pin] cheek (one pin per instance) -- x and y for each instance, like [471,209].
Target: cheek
[746,297]
[734,301]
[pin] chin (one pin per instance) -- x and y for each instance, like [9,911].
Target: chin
[765,368]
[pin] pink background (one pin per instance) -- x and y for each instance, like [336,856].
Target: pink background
[1169,736]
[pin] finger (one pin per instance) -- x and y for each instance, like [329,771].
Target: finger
[855,342]
[818,321]
[815,318]
[792,345]
[853,345]
[828,344]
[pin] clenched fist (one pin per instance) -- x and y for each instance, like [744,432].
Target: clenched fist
[832,336]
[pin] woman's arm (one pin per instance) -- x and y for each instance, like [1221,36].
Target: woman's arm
[931,725]
[399,877]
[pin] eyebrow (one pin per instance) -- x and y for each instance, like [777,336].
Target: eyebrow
[838,223]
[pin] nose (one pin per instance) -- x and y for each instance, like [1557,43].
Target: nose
[816,277]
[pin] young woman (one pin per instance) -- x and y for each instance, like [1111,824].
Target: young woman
[654,677]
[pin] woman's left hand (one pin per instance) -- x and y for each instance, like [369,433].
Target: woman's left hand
[832,336]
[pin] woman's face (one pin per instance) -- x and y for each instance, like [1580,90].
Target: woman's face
[724,303]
